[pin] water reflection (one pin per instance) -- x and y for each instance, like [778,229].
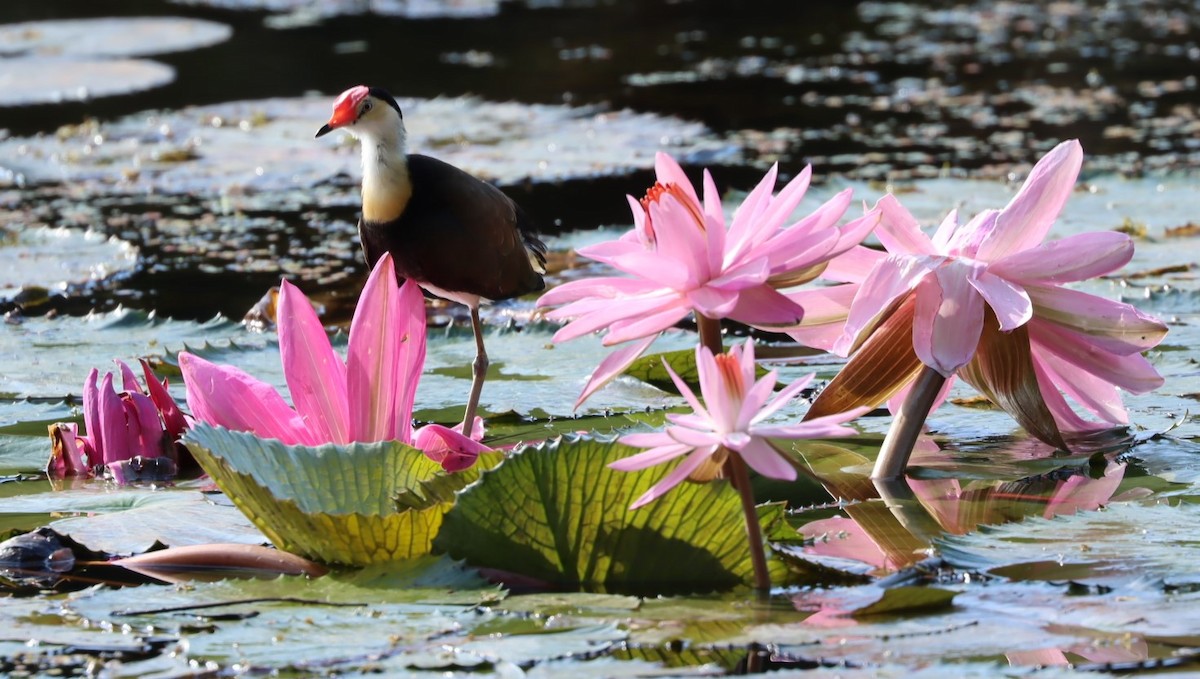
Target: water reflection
[893,524]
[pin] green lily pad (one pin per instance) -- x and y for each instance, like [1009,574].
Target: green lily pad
[1116,545]
[566,520]
[334,504]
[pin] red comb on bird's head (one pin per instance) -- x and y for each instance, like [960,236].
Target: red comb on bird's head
[345,108]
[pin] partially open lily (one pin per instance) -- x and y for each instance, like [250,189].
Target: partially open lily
[682,257]
[125,430]
[987,302]
[367,397]
[729,421]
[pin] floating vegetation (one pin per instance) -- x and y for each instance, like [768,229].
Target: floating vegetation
[54,260]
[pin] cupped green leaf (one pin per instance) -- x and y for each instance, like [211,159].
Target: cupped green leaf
[334,504]
[557,513]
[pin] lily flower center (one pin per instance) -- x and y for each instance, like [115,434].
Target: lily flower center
[655,193]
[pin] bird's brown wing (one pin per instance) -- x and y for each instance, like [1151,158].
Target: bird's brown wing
[460,234]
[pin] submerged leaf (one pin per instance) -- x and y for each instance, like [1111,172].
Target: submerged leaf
[559,514]
[334,504]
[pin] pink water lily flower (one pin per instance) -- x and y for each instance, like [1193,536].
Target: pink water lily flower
[730,420]
[131,424]
[682,257]
[987,301]
[367,397]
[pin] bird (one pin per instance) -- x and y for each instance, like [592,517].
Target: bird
[457,236]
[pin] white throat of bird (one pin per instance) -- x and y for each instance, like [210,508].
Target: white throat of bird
[386,186]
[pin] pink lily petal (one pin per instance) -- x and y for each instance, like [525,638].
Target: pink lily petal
[890,280]
[228,397]
[668,171]
[1106,324]
[899,231]
[764,459]
[664,450]
[66,458]
[948,318]
[373,356]
[945,232]
[686,392]
[608,287]
[713,301]
[1026,220]
[613,365]
[743,275]
[678,237]
[825,426]
[694,438]
[1008,301]
[1130,372]
[744,232]
[713,210]
[91,409]
[110,442]
[654,267]
[447,447]
[316,376]
[853,265]
[173,421]
[852,233]
[1064,416]
[411,328]
[614,312]
[825,312]
[764,306]
[789,197]
[1074,258]
[143,426]
[783,398]
[966,241]
[677,475]
[129,380]
[651,324]
[1096,394]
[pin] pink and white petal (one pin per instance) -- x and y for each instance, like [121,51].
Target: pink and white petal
[945,232]
[610,313]
[783,398]
[616,363]
[226,396]
[694,438]
[602,287]
[1074,258]
[654,439]
[1026,220]
[825,312]
[411,328]
[890,280]
[677,475]
[966,241]
[764,307]
[663,268]
[129,380]
[1093,393]
[316,376]
[785,202]
[948,318]
[747,230]
[764,459]
[1131,372]
[145,432]
[852,233]
[679,238]
[1064,415]
[91,407]
[609,250]
[1107,324]
[648,324]
[1008,301]
[713,301]
[668,171]
[173,419]
[853,265]
[649,458]
[685,391]
[899,231]
[373,356]
[743,274]
[111,439]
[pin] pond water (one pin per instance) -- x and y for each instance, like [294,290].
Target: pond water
[158,175]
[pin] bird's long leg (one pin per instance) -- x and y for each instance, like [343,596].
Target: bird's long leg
[478,373]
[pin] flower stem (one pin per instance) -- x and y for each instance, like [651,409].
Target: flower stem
[906,425]
[738,474]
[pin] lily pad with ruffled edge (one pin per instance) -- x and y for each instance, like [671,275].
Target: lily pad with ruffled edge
[333,504]
[557,513]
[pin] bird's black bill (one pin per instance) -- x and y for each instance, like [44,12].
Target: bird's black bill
[325,129]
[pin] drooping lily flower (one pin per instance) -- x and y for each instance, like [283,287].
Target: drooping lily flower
[986,302]
[730,420]
[682,257]
[367,397]
[125,429]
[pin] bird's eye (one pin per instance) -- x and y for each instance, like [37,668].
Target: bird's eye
[366,107]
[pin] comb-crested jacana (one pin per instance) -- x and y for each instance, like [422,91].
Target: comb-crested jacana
[459,237]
